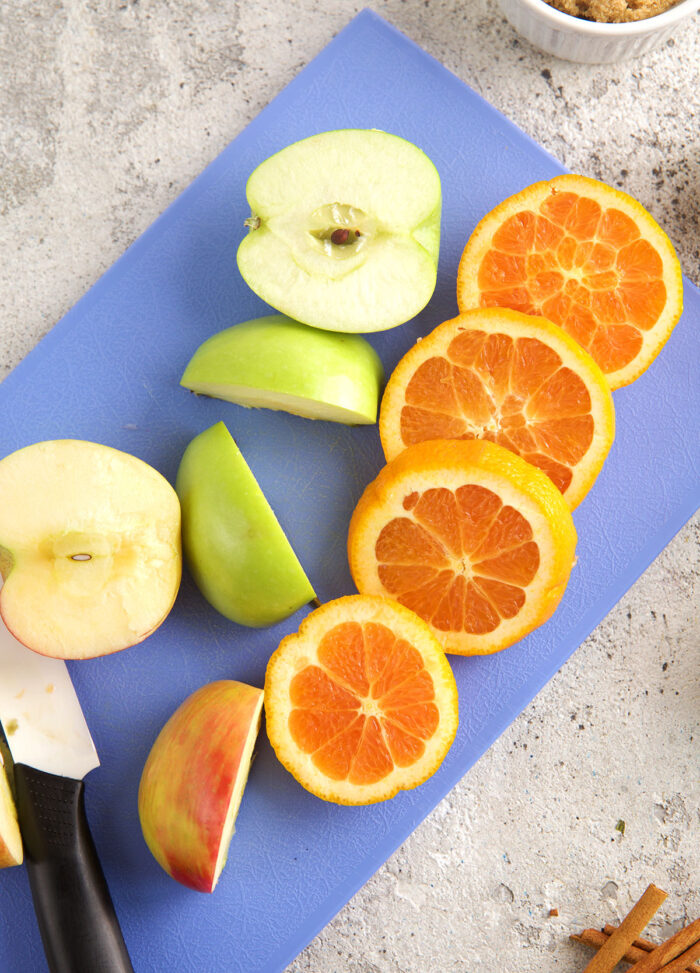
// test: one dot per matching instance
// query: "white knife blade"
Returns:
(40, 712)
(52, 752)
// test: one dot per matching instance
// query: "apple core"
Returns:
(340, 231)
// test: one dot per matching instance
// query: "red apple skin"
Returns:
(11, 852)
(21, 637)
(189, 778)
(7, 856)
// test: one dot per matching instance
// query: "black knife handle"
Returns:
(77, 921)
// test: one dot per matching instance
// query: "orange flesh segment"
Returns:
(515, 392)
(583, 266)
(367, 707)
(483, 559)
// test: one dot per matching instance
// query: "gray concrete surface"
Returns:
(108, 111)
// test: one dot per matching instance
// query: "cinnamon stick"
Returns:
(636, 952)
(685, 938)
(647, 945)
(686, 961)
(596, 939)
(615, 947)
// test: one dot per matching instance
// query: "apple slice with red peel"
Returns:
(193, 781)
(277, 363)
(89, 548)
(235, 548)
(11, 851)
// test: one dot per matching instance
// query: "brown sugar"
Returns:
(613, 11)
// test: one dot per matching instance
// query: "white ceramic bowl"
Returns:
(575, 39)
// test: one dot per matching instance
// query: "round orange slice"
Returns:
(360, 702)
(510, 378)
(474, 539)
(588, 257)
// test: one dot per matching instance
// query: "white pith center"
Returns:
(371, 707)
(462, 565)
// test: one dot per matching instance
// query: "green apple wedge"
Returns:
(234, 547)
(90, 548)
(277, 363)
(345, 230)
(193, 781)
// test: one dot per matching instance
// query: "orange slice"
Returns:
(512, 379)
(471, 537)
(586, 256)
(360, 702)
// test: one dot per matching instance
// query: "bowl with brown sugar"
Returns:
(597, 31)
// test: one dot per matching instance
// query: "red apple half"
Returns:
(11, 852)
(89, 548)
(193, 781)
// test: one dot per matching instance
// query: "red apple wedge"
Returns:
(11, 852)
(193, 781)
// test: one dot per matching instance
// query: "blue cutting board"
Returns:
(109, 372)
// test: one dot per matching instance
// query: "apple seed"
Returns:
(342, 236)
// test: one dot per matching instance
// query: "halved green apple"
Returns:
(277, 363)
(234, 546)
(345, 230)
(89, 548)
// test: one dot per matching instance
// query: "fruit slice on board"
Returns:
(471, 537)
(193, 781)
(345, 230)
(361, 702)
(89, 548)
(586, 256)
(277, 363)
(234, 546)
(509, 378)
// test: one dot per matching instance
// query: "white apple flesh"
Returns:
(235, 548)
(277, 363)
(11, 851)
(193, 781)
(345, 230)
(89, 548)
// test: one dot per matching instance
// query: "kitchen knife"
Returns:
(52, 751)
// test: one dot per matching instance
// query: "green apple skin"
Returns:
(193, 781)
(277, 363)
(381, 189)
(90, 548)
(11, 851)
(234, 547)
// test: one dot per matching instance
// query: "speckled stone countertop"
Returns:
(109, 111)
